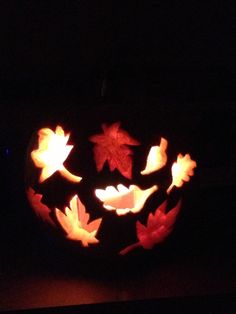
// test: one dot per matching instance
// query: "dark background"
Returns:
(62, 50)
(177, 59)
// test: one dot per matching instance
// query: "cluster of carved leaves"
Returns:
(111, 147)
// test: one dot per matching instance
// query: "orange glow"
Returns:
(52, 152)
(157, 158)
(124, 200)
(75, 223)
(159, 225)
(181, 170)
(39, 208)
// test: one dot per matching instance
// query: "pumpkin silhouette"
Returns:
(107, 181)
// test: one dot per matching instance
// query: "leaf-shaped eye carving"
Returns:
(51, 154)
(112, 146)
(157, 158)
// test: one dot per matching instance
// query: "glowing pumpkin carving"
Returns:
(103, 199)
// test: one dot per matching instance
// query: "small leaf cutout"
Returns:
(39, 208)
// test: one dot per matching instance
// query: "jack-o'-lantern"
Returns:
(109, 187)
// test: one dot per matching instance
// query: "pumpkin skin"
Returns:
(106, 232)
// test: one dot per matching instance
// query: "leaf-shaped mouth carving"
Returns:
(124, 200)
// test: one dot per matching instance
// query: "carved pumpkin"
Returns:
(109, 187)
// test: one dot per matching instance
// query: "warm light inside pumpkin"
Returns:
(124, 200)
(52, 152)
(112, 147)
(157, 158)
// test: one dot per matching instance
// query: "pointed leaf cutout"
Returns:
(159, 226)
(51, 153)
(124, 200)
(111, 146)
(181, 170)
(75, 223)
(39, 208)
(157, 158)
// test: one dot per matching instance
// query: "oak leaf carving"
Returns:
(181, 171)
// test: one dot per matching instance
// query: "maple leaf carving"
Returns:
(39, 208)
(51, 153)
(159, 226)
(181, 170)
(75, 223)
(112, 146)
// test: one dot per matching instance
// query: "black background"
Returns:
(176, 59)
